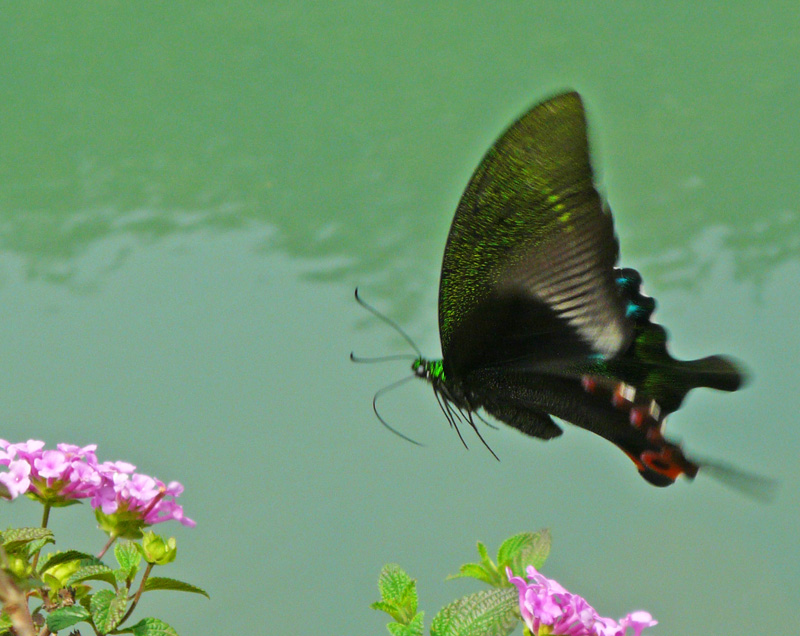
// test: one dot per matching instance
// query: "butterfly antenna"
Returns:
(380, 392)
(402, 356)
(480, 437)
(388, 321)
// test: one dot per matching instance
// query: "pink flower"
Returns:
(57, 477)
(17, 479)
(51, 464)
(131, 500)
(544, 602)
(638, 621)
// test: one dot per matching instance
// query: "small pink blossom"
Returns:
(72, 472)
(544, 602)
(51, 464)
(17, 479)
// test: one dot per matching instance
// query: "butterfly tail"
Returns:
(714, 372)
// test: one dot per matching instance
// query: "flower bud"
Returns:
(158, 551)
(63, 571)
(19, 567)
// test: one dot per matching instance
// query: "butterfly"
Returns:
(535, 317)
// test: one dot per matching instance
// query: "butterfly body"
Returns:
(535, 318)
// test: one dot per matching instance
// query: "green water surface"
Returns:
(189, 193)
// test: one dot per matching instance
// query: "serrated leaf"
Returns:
(15, 539)
(57, 558)
(386, 606)
(475, 571)
(395, 610)
(164, 583)
(36, 546)
(90, 559)
(399, 591)
(100, 602)
(151, 627)
(107, 609)
(94, 573)
(65, 617)
(408, 598)
(25, 534)
(486, 613)
(128, 557)
(397, 629)
(393, 582)
(416, 625)
(414, 628)
(483, 553)
(86, 600)
(512, 546)
(536, 554)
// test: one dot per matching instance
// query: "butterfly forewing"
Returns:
(528, 267)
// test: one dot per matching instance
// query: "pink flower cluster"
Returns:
(72, 472)
(544, 602)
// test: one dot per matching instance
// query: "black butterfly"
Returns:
(537, 321)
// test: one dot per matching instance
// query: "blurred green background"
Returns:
(189, 193)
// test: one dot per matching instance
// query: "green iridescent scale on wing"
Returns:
(528, 265)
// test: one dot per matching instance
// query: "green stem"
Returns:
(46, 515)
(138, 593)
(45, 519)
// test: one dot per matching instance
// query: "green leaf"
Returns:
(98, 572)
(57, 558)
(512, 546)
(398, 592)
(35, 546)
(25, 534)
(522, 550)
(128, 557)
(384, 606)
(475, 571)
(16, 538)
(107, 609)
(414, 628)
(151, 627)
(395, 610)
(541, 550)
(485, 613)
(484, 553)
(52, 582)
(163, 583)
(67, 617)
(100, 605)
(396, 585)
